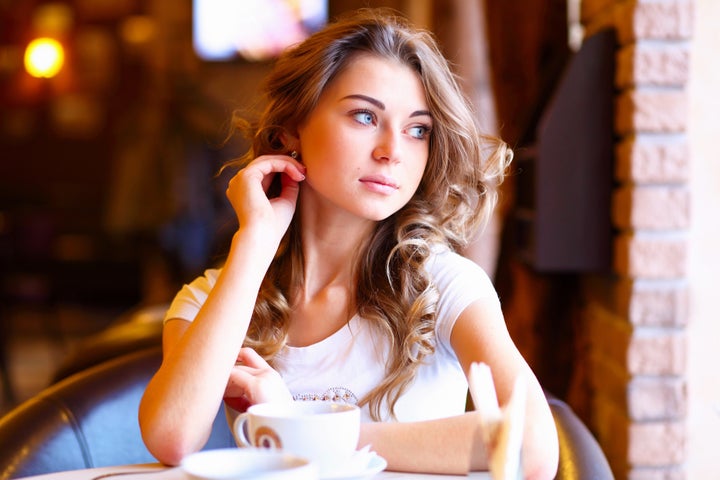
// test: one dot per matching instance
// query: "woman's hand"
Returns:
(247, 192)
(253, 381)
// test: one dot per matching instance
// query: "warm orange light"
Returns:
(44, 57)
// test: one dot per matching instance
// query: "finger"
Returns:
(241, 382)
(267, 165)
(285, 199)
(289, 189)
(248, 357)
(236, 385)
(239, 404)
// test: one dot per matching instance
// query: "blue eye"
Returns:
(365, 117)
(419, 131)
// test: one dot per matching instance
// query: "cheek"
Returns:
(417, 173)
(328, 163)
(320, 177)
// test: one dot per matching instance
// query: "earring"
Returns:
(294, 154)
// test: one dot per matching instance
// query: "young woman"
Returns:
(366, 173)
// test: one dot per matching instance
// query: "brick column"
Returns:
(635, 319)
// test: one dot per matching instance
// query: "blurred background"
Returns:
(113, 125)
(109, 161)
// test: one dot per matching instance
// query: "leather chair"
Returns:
(90, 420)
(581, 457)
(136, 330)
(87, 420)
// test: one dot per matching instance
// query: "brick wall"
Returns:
(636, 319)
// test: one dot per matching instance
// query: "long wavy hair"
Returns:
(455, 197)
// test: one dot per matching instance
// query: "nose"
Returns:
(387, 148)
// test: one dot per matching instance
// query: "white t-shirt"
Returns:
(349, 363)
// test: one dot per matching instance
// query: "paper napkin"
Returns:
(502, 427)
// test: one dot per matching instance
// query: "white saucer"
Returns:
(246, 463)
(376, 465)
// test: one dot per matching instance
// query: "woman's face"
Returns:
(366, 143)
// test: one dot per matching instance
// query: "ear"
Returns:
(291, 142)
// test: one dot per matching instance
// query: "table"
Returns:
(155, 471)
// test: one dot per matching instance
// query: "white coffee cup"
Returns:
(325, 433)
(247, 463)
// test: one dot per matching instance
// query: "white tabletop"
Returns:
(160, 472)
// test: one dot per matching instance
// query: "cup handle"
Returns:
(238, 431)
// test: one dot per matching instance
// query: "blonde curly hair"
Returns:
(455, 198)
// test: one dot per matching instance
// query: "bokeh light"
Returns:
(44, 57)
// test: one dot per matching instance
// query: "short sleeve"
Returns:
(192, 296)
(460, 282)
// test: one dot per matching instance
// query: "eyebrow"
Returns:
(381, 105)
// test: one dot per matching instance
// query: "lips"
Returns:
(380, 184)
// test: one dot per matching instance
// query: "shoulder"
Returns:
(201, 286)
(207, 279)
(192, 296)
(460, 282)
(449, 270)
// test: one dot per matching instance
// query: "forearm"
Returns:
(480, 335)
(454, 445)
(182, 399)
(450, 445)
(540, 450)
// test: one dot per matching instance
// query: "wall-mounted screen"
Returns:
(225, 30)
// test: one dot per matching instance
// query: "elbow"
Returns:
(541, 470)
(542, 464)
(541, 452)
(168, 455)
(164, 440)
(168, 449)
